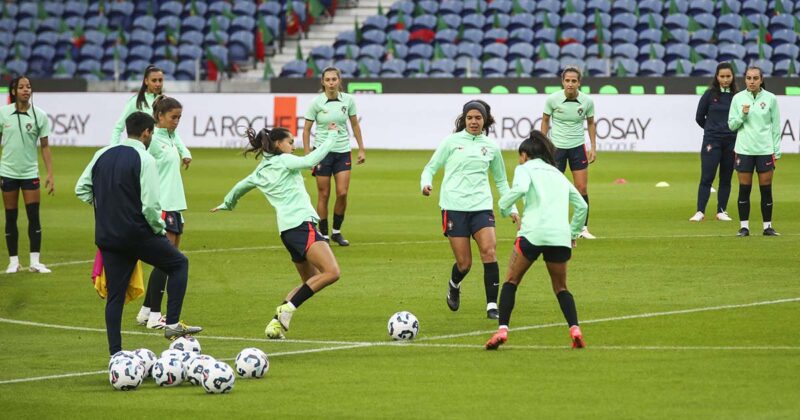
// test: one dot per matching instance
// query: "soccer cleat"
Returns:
(13, 268)
(39, 268)
(743, 232)
(181, 330)
(585, 234)
(698, 217)
(577, 337)
(771, 232)
(723, 216)
(283, 314)
(499, 338)
(493, 314)
(142, 319)
(274, 331)
(339, 239)
(453, 297)
(157, 324)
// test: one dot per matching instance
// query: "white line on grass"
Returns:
(562, 347)
(44, 378)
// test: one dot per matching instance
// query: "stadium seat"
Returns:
(449, 50)
(474, 21)
(322, 51)
(753, 51)
(200, 8)
(25, 38)
(521, 20)
(346, 66)
(395, 65)
(598, 50)
(729, 21)
(623, 21)
(373, 37)
(119, 13)
(728, 51)
(134, 69)
(494, 35)
(783, 67)
(17, 67)
(680, 67)
(472, 35)
(549, 6)
(706, 20)
(168, 21)
(574, 35)
(523, 66)
(193, 23)
(244, 8)
(417, 66)
(547, 50)
(520, 35)
(697, 7)
(444, 36)
(678, 36)
(140, 52)
(765, 65)
(546, 20)
(120, 51)
(601, 5)
(652, 67)
(215, 38)
(269, 8)
(429, 7)
(573, 20)
(167, 66)
(369, 67)
(709, 51)
(573, 50)
(418, 51)
(499, 6)
(623, 6)
(75, 8)
(466, 67)
(6, 39)
(423, 22)
(628, 66)
(169, 8)
(623, 36)
(147, 23)
(705, 68)
(374, 51)
(675, 51)
(785, 51)
(65, 68)
(547, 67)
(789, 6)
(89, 66)
(592, 36)
(378, 22)
(444, 65)
(240, 46)
(597, 66)
(345, 38)
(221, 22)
(784, 36)
(47, 25)
(733, 36)
(189, 52)
(452, 21)
(521, 50)
(500, 21)
(451, 7)
(469, 49)
(651, 6)
(92, 51)
(243, 23)
(625, 51)
(343, 51)
(496, 50)
(703, 36)
(676, 22)
(754, 6)
(779, 22)
(495, 66)
(192, 37)
(406, 6)
(682, 6)
(565, 62)
(294, 68)
(186, 70)
(27, 9)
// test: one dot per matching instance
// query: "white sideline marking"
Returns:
(344, 345)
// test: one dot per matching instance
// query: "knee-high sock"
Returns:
(766, 202)
(491, 281)
(456, 276)
(34, 226)
(586, 198)
(323, 226)
(338, 219)
(155, 289)
(507, 298)
(567, 303)
(744, 201)
(12, 235)
(303, 294)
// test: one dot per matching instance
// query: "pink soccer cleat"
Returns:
(577, 337)
(499, 338)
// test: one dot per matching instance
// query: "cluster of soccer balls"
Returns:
(183, 362)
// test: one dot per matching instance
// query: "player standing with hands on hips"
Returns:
(755, 118)
(564, 113)
(333, 106)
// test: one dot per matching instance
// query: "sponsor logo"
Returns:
(708, 148)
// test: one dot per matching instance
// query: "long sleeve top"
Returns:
(168, 150)
(712, 115)
(130, 108)
(759, 131)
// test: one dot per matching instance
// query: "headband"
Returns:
(476, 106)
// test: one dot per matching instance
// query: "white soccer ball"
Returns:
(124, 354)
(148, 358)
(252, 363)
(169, 372)
(218, 378)
(125, 374)
(196, 367)
(189, 344)
(403, 325)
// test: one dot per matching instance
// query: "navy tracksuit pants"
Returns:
(715, 153)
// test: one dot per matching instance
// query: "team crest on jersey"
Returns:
(170, 219)
(580, 111)
(762, 105)
(484, 150)
(708, 148)
(29, 126)
(344, 110)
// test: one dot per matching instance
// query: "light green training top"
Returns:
(567, 117)
(547, 194)
(169, 151)
(467, 159)
(21, 132)
(324, 111)
(279, 178)
(759, 132)
(148, 182)
(130, 108)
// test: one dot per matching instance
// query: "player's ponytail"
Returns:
(141, 101)
(538, 146)
(12, 96)
(265, 141)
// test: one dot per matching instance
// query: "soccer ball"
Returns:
(403, 325)
(252, 363)
(218, 378)
(189, 344)
(196, 368)
(148, 358)
(184, 356)
(169, 372)
(125, 374)
(124, 354)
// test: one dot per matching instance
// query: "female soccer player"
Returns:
(333, 105)
(755, 118)
(565, 111)
(278, 177)
(21, 125)
(545, 230)
(152, 86)
(169, 152)
(466, 198)
(718, 141)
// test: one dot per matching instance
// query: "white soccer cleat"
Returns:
(13, 268)
(142, 319)
(586, 235)
(39, 268)
(698, 217)
(723, 216)
(157, 324)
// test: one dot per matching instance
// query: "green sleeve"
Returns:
(498, 169)
(589, 111)
(130, 106)
(239, 190)
(352, 108)
(437, 160)
(151, 208)
(580, 210)
(518, 190)
(311, 112)
(182, 149)
(548, 106)
(735, 115)
(44, 124)
(83, 189)
(775, 116)
(308, 161)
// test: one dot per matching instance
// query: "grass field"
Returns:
(682, 320)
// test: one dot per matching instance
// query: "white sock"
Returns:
(745, 224)
(491, 305)
(154, 317)
(144, 311)
(336, 231)
(457, 286)
(34, 258)
(291, 305)
(504, 327)
(173, 326)
(13, 260)
(767, 225)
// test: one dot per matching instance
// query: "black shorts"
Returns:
(554, 254)
(760, 163)
(463, 224)
(174, 221)
(333, 164)
(576, 156)
(297, 240)
(11, 184)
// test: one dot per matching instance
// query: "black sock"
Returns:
(567, 303)
(12, 235)
(34, 226)
(302, 295)
(586, 198)
(338, 219)
(456, 276)
(323, 226)
(155, 289)
(766, 202)
(744, 201)
(491, 281)
(507, 297)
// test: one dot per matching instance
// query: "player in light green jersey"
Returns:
(152, 86)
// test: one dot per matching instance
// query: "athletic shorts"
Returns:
(760, 163)
(297, 240)
(576, 156)
(333, 164)
(553, 254)
(463, 224)
(174, 221)
(11, 184)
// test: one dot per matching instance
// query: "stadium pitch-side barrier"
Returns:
(647, 123)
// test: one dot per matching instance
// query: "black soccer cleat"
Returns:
(744, 232)
(493, 314)
(339, 239)
(771, 232)
(453, 297)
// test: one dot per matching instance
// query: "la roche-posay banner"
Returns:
(624, 122)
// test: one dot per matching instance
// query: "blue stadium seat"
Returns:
(624, 36)
(322, 51)
(520, 35)
(753, 51)
(547, 67)
(449, 50)
(189, 52)
(269, 8)
(673, 70)
(565, 62)
(594, 50)
(789, 6)
(445, 65)
(375, 51)
(466, 67)
(697, 7)
(623, 6)
(549, 49)
(395, 65)
(119, 13)
(346, 66)
(406, 6)
(215, 38)
(369, 67)
(167, 66)
(521, 50)
(678, 36)
(294, 68)
(757, 20)
(423, 22)
(446, 36)
(707, 51)
(494, 35)
(186, 70)
(597, 67)
(89, 66)
(623, 20)
(201, 8)
(573, 50)
(546, 20)
(452, 21)
(521, 20)
(192, 37)
(751, 36)
(373, 37)
(193, 23)
(729, 22)
(782, 68)
(219, 8)
(244, 8)
(135, 68)
(729, 51)
(147, 23)
(417, 66)
(779, 22)
(345, 38)
(168, 21)
(469, 49)
(573, 20)
(630, 66)
(92, 51)
(785, 51)
(650, 68)
(120, 50)
(27, 9)
(472, 35)
(240, 46)
(419, 51)
(75, 8)
(651, 6)
(682, 6)
(592, 36)
(601, 5)
(41, 57)
(703, 36)
(576, 34)
(6, 39)
(475, 21)
(784, 36)
(499, 6)
(47, 38)
(222, 22)
(706, 20)
(545, 35)
(46, 25)
(734, 7)
(17, 67)
(378, 22)
(428, 6)
(525, 67)
(494, 67)
(497, 21)
(754, 6)
(140, 52)
(25, 38)
(496, 50)
(341, 52)
(765, 65)
(400, 51)
(66, 68)
(451, 7)
(677, 51)
(243, 23)
(676, 22)
(625, 51)
(9, 25)
(705, 68)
